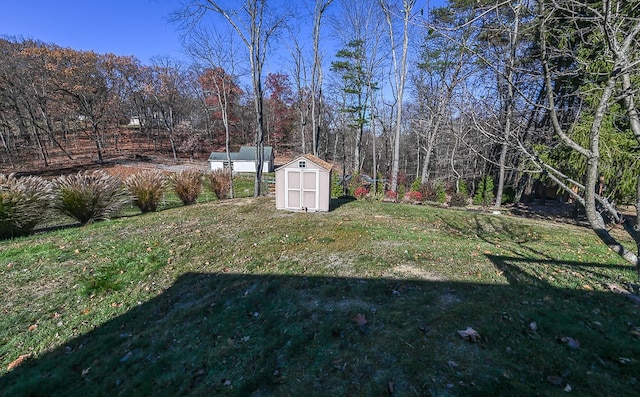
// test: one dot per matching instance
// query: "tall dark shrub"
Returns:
(484, 193)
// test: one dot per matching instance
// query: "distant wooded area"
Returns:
(484, 95)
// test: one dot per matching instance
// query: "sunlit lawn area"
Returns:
(233, 297)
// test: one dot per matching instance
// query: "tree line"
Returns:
(53, 100)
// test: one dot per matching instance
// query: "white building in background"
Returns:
(243, 160)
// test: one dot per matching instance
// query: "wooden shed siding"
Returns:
(303, 188)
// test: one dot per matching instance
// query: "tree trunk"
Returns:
(509, 105)
(400, 73)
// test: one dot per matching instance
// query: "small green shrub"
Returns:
(463, 187)
(441, 194)
(89, 196)
(147, 189)
(338, 189)
(484, 193)
(220, 183)
(416, 185)
(401, 190)
(188, 185)
(23, 204)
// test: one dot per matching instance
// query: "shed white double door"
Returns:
(301, 188)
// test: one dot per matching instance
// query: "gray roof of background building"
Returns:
(246, 153)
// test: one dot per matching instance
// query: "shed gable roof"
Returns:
(314, 159)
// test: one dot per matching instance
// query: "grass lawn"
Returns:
(235, 298)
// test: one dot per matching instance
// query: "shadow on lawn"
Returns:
(335, 203)
(251, 335)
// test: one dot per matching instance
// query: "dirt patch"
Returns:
(409, 271)
(121, 166)
(338, 265)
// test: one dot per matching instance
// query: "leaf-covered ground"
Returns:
(236, 298)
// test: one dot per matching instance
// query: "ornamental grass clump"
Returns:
(89, 196)
(23, 204)
(220, 183)
(188, 185)
(147, 189)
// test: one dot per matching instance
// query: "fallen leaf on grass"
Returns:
(32, 327)
(556, 380)
(360, 319)
(470, 334)
(622, 360)
(616, 289)
(18, 361)
(572, 343)
(126, 357)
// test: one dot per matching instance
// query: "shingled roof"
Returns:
(317, 160)
(246, 153)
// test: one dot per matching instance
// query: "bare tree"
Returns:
(316, 73)
(399, 74)
(167, 90)
(613, 27)
(255, 27)
(220, 74)
(443, 67)
(509, 100)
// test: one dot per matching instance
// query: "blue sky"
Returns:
(122, 27)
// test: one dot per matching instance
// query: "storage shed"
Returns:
(304, 184)
(243, 160)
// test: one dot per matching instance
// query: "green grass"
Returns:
(235, 298)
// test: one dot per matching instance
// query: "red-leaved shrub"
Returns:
(413, 196)
(361, 192)
(390, 195)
